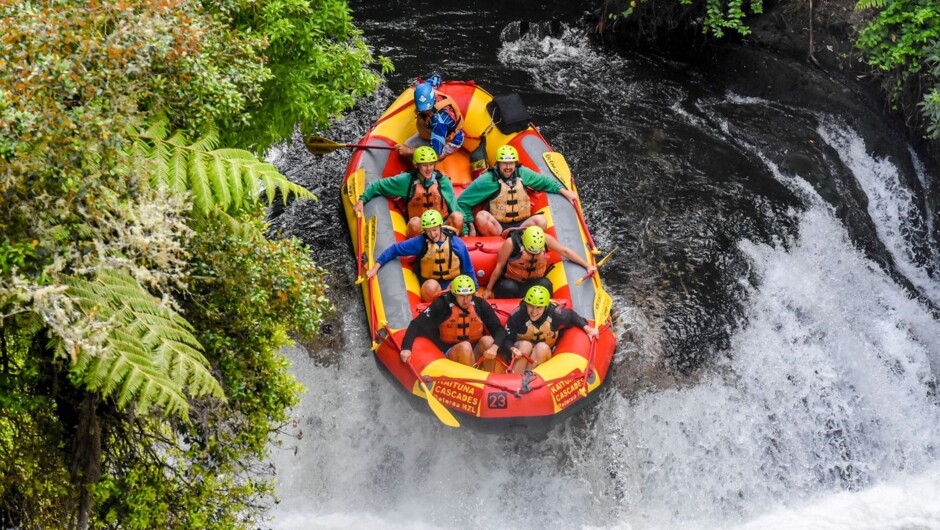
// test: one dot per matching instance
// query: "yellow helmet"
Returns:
(463, 284)
(537, 296)
(424, 155)
(533, 239)
(507, 153)
(430, 219)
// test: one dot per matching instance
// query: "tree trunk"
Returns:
(86, 459)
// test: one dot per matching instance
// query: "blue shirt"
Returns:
(442, 124)
(413, 246)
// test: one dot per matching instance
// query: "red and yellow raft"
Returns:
(578, 368)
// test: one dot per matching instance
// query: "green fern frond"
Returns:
(871, 4)
(199, 183)
(219, 179)
(149, 356)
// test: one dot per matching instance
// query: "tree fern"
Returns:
(869, 4)
(226, 180)
(148, 355)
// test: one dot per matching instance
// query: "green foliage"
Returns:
(930, 104)
(901, 42)
(148, 354)
(226, 179)
(719, 15)
(870, 4)
(317, 58)
(244, 297)
(141, 312)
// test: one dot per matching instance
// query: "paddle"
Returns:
(602, 304)
(596, 266)
(368, 245)
(353, 191)
(319, 145)
(439, 410)
(590, 365)
(559, 167)
(437, 407)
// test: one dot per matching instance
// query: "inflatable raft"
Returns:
(458, 393)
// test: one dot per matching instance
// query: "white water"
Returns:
(820, 416)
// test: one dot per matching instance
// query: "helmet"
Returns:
(424, 97)
(507, 153)
(430, 219)
(533, 239)
(463, 284)
(424, 155)
(537, 296)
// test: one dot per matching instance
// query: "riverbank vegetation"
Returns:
(895, 43)
(142, 309)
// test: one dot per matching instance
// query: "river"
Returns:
(777, 293)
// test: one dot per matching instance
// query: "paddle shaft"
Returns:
(597, 266)
(444, 415)
(577, 209)
(366, 146)
(318, 145)
(359, 239)
(590, 365)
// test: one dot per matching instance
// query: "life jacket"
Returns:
(439, 262)
(522, 265)
(511, 203)
(544, 332)
(446, 104)
(461, 325)
(421, 199)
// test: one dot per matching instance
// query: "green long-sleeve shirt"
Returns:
(487, 184)
(400, 185)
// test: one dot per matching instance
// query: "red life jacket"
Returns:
(523, 265)
(421, 199)
(461, 326)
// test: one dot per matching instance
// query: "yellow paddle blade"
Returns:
(559, 167)
(370, 241)
(319, 145)
(439, 409)
(355, 185)
(602, 305)
(607, 257)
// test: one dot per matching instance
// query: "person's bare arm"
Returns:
(567, 253)
(501, 258)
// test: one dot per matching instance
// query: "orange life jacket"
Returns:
(446, 104)
(542, 333)
(462, 325)
(511, 203)
(525, 265)
(439, 262)
(422, 199)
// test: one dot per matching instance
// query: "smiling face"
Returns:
(534, 312)
(506, 168)
(426, 170)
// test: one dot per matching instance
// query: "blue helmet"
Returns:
(424, 97)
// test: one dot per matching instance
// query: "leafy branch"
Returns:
(148, 354)
(226, 180)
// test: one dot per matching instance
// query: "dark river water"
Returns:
(776, 287)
